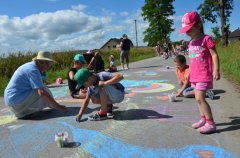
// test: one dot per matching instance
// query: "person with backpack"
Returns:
(96, 63)
(125, 46)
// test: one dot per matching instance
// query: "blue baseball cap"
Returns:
(80, 58)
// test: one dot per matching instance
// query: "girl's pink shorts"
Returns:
(202, 86)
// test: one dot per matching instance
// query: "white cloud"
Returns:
(108, 12)
(38, 31)
(79, 7)
(67, 30)
(124, 13)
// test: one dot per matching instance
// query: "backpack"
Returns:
(98, 64)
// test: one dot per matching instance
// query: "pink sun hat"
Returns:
(189, 20)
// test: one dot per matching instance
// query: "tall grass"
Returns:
(64, 61)
(230, 61)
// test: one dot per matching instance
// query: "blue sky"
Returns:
(33, 25)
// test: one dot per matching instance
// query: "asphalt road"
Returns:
(145, 123)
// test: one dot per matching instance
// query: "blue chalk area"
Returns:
(32, 139)
(151, 73)
(140, 83)
(29, 140)
(103, 146)
(60, 92)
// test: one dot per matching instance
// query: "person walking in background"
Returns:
(26, 93)
(112, 64)
(75, 91)
(157, 49)
(125, 46)
(203, 66)
(165, 49)
(102, 88)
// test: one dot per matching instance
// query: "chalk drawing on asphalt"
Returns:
(89, 140)
(5, 119)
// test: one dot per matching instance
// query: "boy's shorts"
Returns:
(114, 95)
(202, 86)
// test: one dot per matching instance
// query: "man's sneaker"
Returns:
(199, 124)
(210, 94)
(207, 128)
(97, 117)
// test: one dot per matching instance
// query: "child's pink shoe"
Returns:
(207, 128)
(199, 124)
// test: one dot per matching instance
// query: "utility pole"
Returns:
(136, 32)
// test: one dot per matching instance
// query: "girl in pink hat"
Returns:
(203, 66)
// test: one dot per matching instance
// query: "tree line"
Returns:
(159, 12)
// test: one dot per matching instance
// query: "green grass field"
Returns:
(230, 62)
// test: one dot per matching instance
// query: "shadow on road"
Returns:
(72, 145)
(52, 113)
(137, 114)
(232, 126)
(218, 91)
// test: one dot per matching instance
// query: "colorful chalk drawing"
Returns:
(95, 143)
(91, 144)
(6, 119)
(147, 86)
(154, 87)
(163, 97)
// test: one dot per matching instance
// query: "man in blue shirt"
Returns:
(26, 93)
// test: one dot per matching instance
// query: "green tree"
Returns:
(158, 13)
(211, 9)
(217, 35)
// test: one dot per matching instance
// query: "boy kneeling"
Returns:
(102, 88)
(182, 73)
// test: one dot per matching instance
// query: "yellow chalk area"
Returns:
(6, 119)
(70, 100)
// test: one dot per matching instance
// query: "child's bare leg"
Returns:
(82, 95)
(203, 105)
(202, 121)
(95, 100)
(209, 126)
(103, 98)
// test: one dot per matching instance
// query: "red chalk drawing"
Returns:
(130, 94)
(204, 153)
(162, 97)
